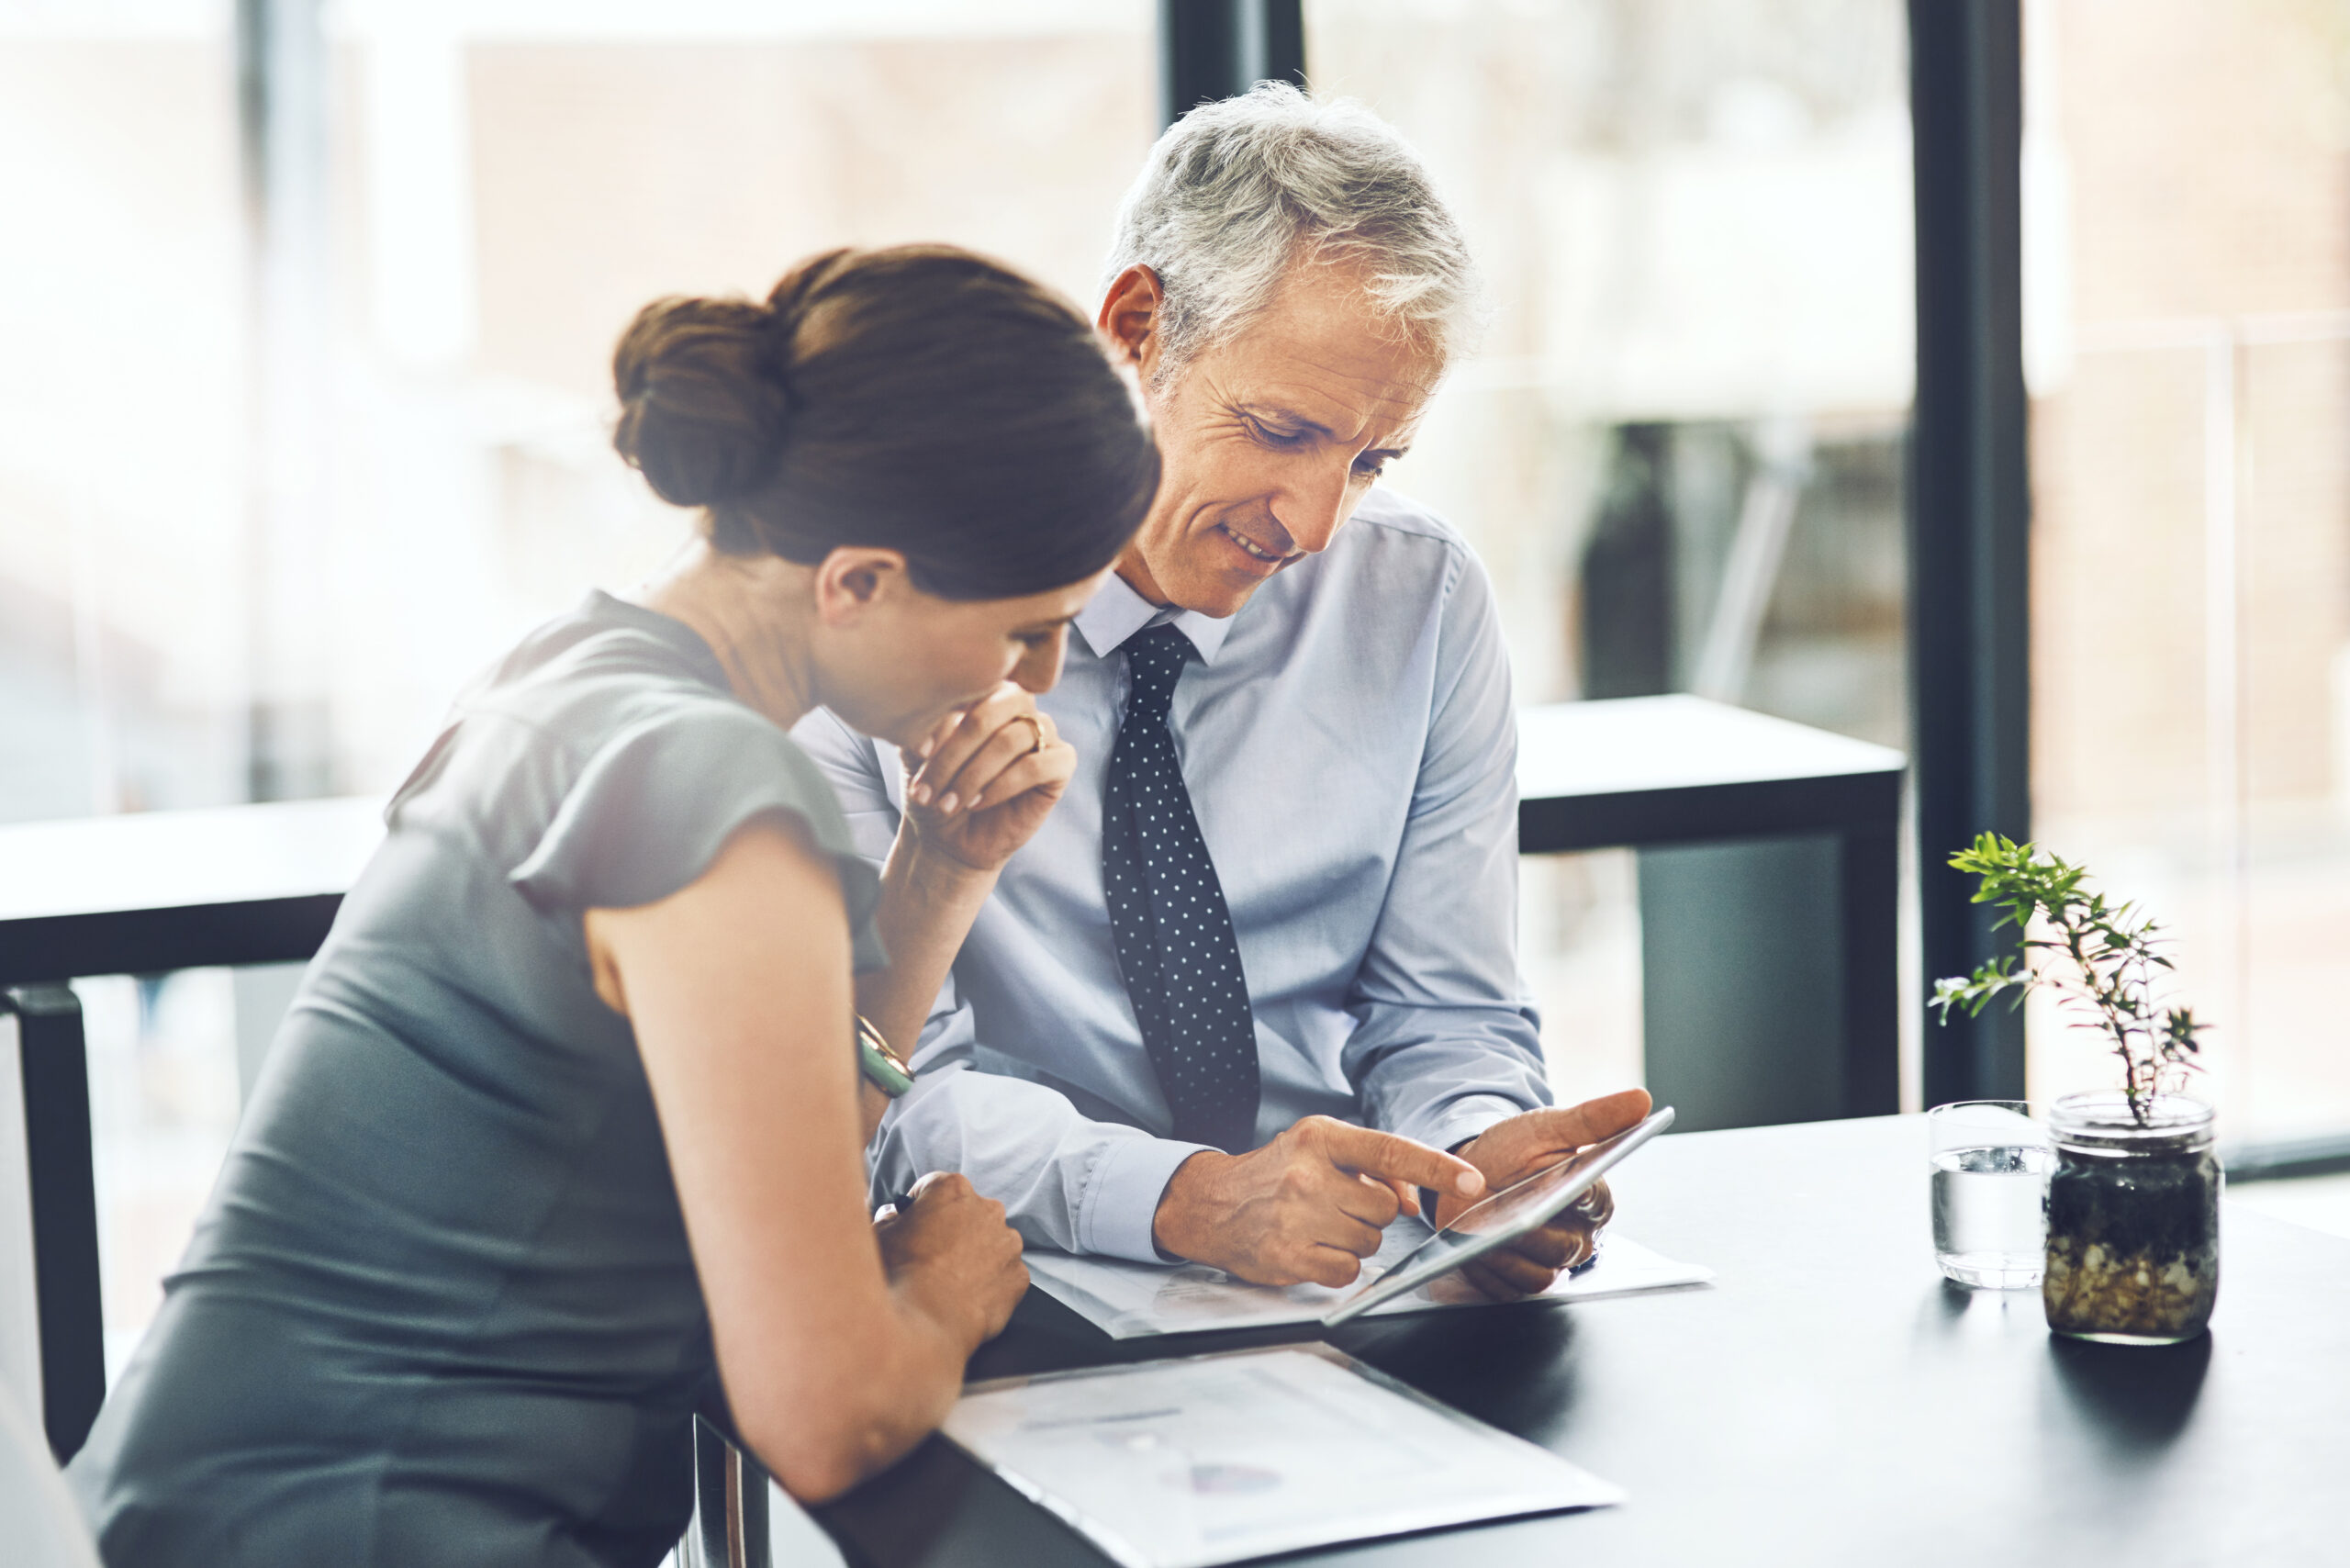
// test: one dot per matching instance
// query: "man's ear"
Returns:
(853, 578)
(1129, 316)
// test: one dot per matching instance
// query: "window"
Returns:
(2187, 308)
(292, 443)
(1680, 451)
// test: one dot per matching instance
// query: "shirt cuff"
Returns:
(1123, 1199)
(1468, 1118)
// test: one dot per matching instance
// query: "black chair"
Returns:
(730, 1526)
(54, 1068)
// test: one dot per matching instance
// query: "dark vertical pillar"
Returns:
(56, 1073)
(1219, 48)
(1969, 505)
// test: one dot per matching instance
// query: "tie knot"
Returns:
(1155, 662)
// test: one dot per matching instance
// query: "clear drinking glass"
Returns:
(1991, 1162)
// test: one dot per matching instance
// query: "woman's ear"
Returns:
(1130, 315)
(853, 578)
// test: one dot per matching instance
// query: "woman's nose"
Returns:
(1040, 666)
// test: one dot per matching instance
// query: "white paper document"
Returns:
(1126, 1300)
(1216, 1459)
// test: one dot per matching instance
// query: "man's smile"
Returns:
(1255, 550)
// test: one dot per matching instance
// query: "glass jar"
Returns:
(2133, 1220)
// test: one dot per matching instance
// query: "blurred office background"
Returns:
(304, 408)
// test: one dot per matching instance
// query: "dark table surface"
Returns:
(1829, 1400)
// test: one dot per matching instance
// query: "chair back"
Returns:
(52, 1328)
(741, 1519)
(19, 1301)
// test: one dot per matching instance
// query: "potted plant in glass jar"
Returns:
(2133, 1204)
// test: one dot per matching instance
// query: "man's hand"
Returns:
(986, 779)
(1508, 1152)
(1309, 1206)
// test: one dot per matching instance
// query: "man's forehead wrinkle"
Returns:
(1316, 306)
(1375, 374)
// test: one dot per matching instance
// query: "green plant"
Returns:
(2098, 958)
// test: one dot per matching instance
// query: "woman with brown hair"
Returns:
(562, 1140)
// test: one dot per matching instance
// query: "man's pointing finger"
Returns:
(1386, 1155)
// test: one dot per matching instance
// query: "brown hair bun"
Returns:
(702, 410)
(920, 398)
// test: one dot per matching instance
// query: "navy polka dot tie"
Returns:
(1176, 948)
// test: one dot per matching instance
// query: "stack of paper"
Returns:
(1126, 1300)
(1217, 1458)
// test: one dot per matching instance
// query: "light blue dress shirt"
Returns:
(1350, 747)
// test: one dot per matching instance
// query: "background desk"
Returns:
(163, 891)
(140, 894)
(1768, 877)
(1769, 870)
(1828, 1401)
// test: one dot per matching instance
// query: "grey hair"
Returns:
(1238, 192)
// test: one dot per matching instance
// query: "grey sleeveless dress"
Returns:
(440, 1308)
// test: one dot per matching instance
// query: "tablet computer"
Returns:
(1502, 1217)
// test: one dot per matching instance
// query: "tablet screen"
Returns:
(1512, 1212)
(1535, 1200)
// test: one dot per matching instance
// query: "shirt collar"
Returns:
(1117, 612)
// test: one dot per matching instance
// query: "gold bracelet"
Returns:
(883, 1068)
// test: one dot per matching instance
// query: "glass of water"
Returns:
(1991, 1162)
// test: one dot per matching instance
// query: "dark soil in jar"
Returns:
(2134, 1244)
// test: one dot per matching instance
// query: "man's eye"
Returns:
(1370, 467)
(1272, 437)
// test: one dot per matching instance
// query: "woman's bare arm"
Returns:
(990, 779)
(739, 989)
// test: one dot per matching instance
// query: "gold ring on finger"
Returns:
(1035, 724)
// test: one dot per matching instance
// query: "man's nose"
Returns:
(1312, 505)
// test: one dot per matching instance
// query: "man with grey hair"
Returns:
(1252, 990)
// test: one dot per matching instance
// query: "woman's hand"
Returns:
(986, 780)
(949, 1250)
(833, 1367)
(978, 790)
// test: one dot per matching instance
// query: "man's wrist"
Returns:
(1171, 1226)
(1123, 1187)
